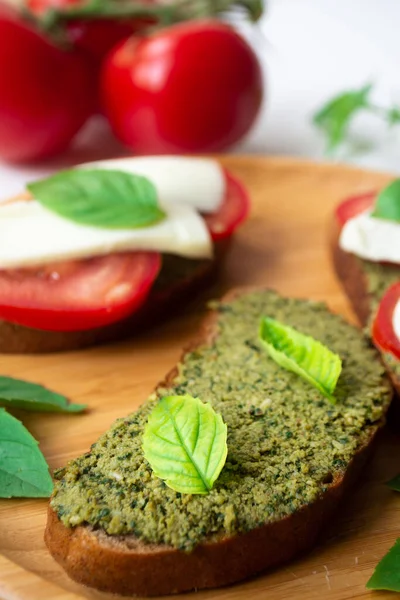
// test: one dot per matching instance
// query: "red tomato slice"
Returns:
(233, 211)
(383, 332)
(78, 295)
(354, 206)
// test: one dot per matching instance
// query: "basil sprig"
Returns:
(336, 116)
(23, 469)
(185, 443)
(100, 198)
(387, 205)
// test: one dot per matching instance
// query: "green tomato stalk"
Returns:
(163, 13)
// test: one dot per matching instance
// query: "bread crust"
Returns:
(351, 276)
(128, 566)
(160, 303)
(354, 283)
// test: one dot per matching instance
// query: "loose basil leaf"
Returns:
(393, 116)
(185, 443)
(23, 469)
(394, 483)
(387, 572)
(100, 198)
(387, 205)
(334, 118)
(16, 393)
(301, 354)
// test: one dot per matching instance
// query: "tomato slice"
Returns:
(354, 206)
(233, 210)
(383, 332)
(78, 295)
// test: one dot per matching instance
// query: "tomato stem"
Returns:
(165, 14)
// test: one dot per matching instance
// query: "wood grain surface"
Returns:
(283, 245)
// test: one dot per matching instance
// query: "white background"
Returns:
(310, 49)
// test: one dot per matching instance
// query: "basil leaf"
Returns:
(301, 354)
(335, 117)
(393, 116)
(387, 205)
(394, 483)
(23, 469)
(16, 393)
(387, 572)
(185, 443)
(100, 198)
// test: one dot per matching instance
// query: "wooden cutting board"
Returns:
(284, 246)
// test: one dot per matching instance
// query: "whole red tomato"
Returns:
(193, 87)
(46, 94)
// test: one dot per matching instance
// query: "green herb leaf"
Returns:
(394, 483)
(387, 205)
(100, 198)
(334, 118)
(301, 354)
(23, 469)
(185, 444)
(387, 572)
(16, 393)
(393, 116)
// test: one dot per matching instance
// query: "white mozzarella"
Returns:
(371, 238)
(32, 235)
(198, 182)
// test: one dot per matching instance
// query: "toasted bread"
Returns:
(353, 277)
(294, 444)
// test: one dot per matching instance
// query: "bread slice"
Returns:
(364, 295)
(178, 280)
(292, 456)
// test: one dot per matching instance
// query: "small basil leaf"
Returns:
(100, 198)
(302, 355)
(16, 393)
(23, 469)
(334, 118)
(394, 483)
(185, 443)
(387, 204)
(393, 116)
(387, 572)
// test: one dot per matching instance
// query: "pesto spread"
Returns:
(393, 363)
(286, 443)
(379, 278)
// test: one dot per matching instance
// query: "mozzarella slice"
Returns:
(32, 235)
(198, 182)
(371, 238)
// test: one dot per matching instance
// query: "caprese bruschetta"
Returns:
(96, 252)
(366, 255)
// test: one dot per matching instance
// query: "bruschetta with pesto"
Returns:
(235, 463)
